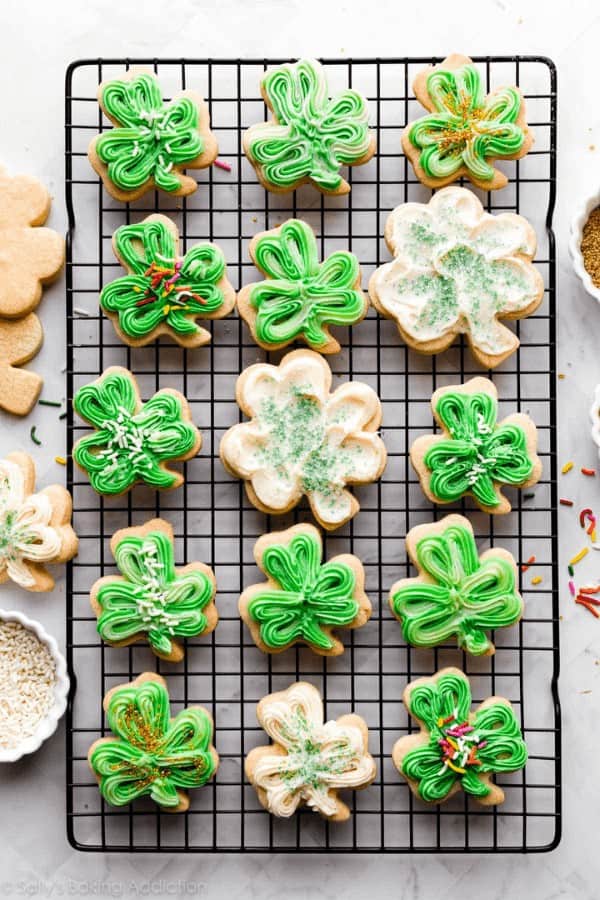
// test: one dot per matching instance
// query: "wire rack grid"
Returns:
(214, 521)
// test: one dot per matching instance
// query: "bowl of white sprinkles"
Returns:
(33, 685)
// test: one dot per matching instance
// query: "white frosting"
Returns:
(302, 439)
(455, 269)
(320, 757)
(25, 531)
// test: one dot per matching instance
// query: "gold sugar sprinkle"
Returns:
(590, 246)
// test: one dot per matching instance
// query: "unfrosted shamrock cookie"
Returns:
(304, 598)
(151, 754)
(457, 270)
(132, 442)
(457, 593)
(35, 526)
(300, 297)
(309, 760)
(20, 341)
(457, 748)
(302, 439)
(152, 141)
(310, 135)
(152, 599)
(31, 257)
(475, 455)
(163, 292)
(465, 131)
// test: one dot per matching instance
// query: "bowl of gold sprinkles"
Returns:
(584, 245)
(33, 685)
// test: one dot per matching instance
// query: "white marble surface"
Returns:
(38, 40)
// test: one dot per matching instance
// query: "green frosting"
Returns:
(466, 128)
(151, 137)
(300, 295)
(312, 135)
(462, 746)
(152, 598)
(308, 595)
(131, 440)
(162, 287)
(479, 453)
(151, 754)
(463, 597)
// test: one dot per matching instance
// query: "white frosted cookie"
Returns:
(309, 760)
(302, 439)
(457, 270)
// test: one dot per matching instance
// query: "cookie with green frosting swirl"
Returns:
(455, 748)
(304, 598)
(465, 130)
(458, 594)
(132, 442)
(164, 292)
(300, 296)
(475, 455)
(152, 599)
(152, 754)
(310, 135)
(152, 141)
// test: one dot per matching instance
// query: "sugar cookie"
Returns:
(20, 341)
(457, 594)
(309, 760)
(457, 270)
(304, 598)
(300, 297)
(457, 748)
(304, 440)
(152, 599)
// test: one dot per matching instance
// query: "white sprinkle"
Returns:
(81, 311)
(27, 679)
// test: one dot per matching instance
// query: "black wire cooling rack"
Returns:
(215, 523)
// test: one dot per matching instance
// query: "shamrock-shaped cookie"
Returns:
(20, 341)
(302, 439)
(152, 141)
(300, 297)
(465, 130)
(457, 748)
(151, 754)
(132, 441)
(163, 292)
(457, 270)
(31, 256)
(304, 599)
(152, 599)
(457, 594)
(475, 455)
(310, 136)
(35, 527)
(309, 760)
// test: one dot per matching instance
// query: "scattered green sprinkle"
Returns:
(49, 403)
(34, 436)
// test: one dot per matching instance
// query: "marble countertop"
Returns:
(36, 857)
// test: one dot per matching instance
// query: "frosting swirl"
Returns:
(310, 135)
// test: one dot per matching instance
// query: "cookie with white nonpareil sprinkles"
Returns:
(132, 441)
(310, 760)
(152, 141)
(455, 748)
(152, 599)
(304, 440)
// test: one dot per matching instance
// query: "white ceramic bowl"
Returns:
(577, 224)
(48, 724)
